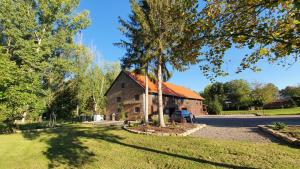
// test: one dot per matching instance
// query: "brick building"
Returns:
(127, 94)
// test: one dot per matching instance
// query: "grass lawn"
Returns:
(268, 112)
(81, 146)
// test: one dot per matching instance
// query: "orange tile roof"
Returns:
(168, 88)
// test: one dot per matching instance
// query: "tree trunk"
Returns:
(24, 117)
(96, 108)
(77, 110)
(146, 96)
(160, 98)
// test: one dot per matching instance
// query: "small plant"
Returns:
(279, 125)
(155, 119)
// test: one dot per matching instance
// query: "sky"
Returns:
(103, 32)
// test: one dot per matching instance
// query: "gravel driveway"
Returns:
(241, 127)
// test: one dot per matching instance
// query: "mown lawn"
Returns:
(81, 146)
(268, 112)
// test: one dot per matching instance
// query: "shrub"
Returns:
(123, 115)
(32, 126)
(155, 119)
(279, 125)
(6, 129)
(214, 107)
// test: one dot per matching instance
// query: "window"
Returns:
(137, 97)
(123, 85)
(118, 99)
(137, 109)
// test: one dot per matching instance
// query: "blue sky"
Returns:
(103, 32)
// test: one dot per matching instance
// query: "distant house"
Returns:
(127, 95)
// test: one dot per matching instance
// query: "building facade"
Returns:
(127, 95)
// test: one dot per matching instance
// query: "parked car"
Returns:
(182, 116)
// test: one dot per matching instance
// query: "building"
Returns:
(127, 95)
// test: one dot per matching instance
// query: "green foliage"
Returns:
(32, 126)
(238, 92)
(215, 107)
(264, 93)
(270, 29)
(155, 120)
(5, 128)
(279, 125)
(161, 33)
(292, 93)
(36, 54)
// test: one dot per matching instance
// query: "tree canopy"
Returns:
(269, 28)
(36, 52)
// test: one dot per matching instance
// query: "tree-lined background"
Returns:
(46, 70)
(43, 68)
(242, 95)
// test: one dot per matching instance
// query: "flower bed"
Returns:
(170, 130)
(290, 134)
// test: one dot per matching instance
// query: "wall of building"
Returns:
(128, 104)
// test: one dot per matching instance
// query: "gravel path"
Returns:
(252, 134)
(240, 127)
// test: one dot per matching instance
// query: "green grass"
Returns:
(267, 112)
(111, 147)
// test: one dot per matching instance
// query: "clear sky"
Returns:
(103, 32)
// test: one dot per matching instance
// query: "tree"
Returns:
(270, 29)
(168, 31)
(290, 91)
(36, 42)
(238, 92)
(264, 93)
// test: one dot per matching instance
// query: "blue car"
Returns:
(182, 116)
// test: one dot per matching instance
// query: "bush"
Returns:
(155, 119)
(214, 107)
(6, 129)
(279, 125)
(32, 126)
(123, 115)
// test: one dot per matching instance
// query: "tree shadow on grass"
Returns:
(66, 148)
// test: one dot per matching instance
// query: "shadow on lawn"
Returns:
(65, 148)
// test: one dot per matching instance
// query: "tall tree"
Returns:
(269, 28)
(168, 31)
(264, 93)
(238, 92)
(290, 91)
(36, 41)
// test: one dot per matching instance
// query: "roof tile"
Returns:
(168, 88)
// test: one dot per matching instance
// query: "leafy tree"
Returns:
(168, 31)
(269, 28)
(264, 93)
(36, 44)
(291, 91)
(238, 92)
(214, 107)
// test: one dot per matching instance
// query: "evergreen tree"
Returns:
(168, 33)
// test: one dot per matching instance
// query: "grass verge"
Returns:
(267, 112)
(82, 146)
